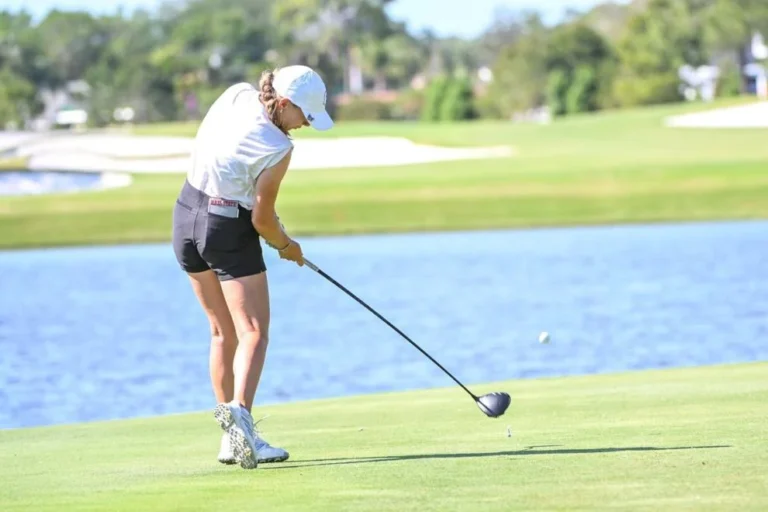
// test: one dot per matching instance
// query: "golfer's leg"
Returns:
(223, 335)
(248, 301)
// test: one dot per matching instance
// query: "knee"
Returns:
(222, 338)
(253, 333)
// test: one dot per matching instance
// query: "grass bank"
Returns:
(13, 163)
(594, 169)
(682, 439)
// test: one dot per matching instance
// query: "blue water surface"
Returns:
(18, 183)
(114, 332)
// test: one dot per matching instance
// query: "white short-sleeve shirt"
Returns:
(235, 142)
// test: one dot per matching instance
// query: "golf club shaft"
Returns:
(398, 331)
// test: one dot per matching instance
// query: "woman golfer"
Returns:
(240, 155)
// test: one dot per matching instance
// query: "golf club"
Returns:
(492, 404)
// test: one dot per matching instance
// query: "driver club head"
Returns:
(494, 404)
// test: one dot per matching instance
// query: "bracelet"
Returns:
(276, 248)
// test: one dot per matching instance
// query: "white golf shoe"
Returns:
(237, 422)
(265, 452)
(269, 453)
(226, 455)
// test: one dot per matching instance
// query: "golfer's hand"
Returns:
(293, 253)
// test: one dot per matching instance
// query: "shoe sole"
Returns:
(241, 449)
(230, 461)
(273, 459)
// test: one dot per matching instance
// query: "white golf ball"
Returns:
(544, 337)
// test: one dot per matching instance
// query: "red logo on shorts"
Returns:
(222, 202)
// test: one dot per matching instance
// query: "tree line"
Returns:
(626, 55)
(172, 62)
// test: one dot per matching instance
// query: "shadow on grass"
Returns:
(298, 464)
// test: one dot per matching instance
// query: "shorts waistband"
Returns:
(198, 199)
(191, 196)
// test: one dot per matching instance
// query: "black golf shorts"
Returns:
(215, 234)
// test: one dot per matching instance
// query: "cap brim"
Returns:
(320, 120)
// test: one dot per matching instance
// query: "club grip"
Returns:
(311, 265)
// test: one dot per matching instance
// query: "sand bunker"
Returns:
(122, 153)
(754, 115)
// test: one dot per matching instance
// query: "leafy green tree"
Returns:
(659, 40)
(520, 73)
(433, 100)
(17, 98)
(71, 42)
(581, 55)
(558, 84)
(581, 96)
(457, 102)
(391, 61)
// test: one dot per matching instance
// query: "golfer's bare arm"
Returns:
(264, 216)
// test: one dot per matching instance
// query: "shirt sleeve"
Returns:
(267, 161)
(274, 158)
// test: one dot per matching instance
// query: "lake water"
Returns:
(100, 333)
(13, 183)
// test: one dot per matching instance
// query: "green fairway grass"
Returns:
(682, 440)
(594, 169)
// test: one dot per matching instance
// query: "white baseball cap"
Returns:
(304, 87)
